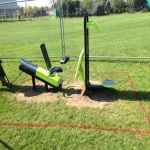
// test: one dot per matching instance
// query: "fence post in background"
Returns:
(16, 15)
(9, 15)
(5, 14)
(41, 13)
(26, 6)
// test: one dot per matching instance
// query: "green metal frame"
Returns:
(44, 74)
(79, 67)
(85, 74)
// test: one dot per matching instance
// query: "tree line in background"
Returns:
(30, 8)
(122, 6)
(99, 8)
(76, 8)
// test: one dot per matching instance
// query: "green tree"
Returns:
(28, 8)
(140, 4)
(120, 4)
(71, 7)
(65, 7)
(46, 8)
(100, 10)
(130, 3)
(77, 4)
(87, 4)
(107, 6)
(35, 8)
(42, 8)
(54, 4)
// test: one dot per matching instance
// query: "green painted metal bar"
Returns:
(37, 72)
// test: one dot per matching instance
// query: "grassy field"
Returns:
(122, 124)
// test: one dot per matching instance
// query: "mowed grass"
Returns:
(121, 120)
(121, 35)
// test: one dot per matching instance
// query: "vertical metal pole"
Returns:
(33, 83)
(26, 8)
(61, 27)
(5, 14)
(86, 50)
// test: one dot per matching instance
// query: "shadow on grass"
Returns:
(130, 95)
(5, 145)
(69, 91)
(105, 95)
(28, 90)
(109, 95)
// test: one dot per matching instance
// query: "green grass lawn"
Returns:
(122, 124)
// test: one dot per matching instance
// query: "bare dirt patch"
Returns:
(39, 95)
(75, 96)
(72, 92)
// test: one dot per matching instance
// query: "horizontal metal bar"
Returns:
(19, 57)
(122, 57)
(117, 57)
(106, 57)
